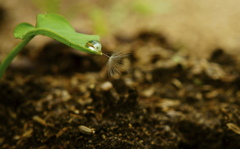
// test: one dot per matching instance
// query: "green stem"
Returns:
(12, 54)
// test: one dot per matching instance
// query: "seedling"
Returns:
(58, 28)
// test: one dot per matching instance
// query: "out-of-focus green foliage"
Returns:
(146, 7)
(99, 21)
(51, 6)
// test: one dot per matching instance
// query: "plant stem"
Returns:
(12, 54)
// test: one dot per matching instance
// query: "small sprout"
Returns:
(114, 63)
(56, 27)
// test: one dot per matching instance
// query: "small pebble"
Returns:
(28, 133)
(104, 137)
(86, 130)
(148, 92)
(91, 86)
(177, 83)
(233, 127)
(62, 131)
(65, 95)
(106, 86)
(39, 120)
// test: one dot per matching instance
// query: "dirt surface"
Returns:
(163, 100)
(179, 88)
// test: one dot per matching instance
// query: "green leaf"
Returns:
(58, 28)
(22, 29)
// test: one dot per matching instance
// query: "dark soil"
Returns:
(164, 99)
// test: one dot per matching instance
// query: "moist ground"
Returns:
(164, 99)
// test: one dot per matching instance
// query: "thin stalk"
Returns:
(106, 55)
(12, 54)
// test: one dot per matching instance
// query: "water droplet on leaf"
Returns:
(94, 45)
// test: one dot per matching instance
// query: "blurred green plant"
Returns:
(99, 22)
(50, 6)
(146, 7)
(56, 27)
(142, 7)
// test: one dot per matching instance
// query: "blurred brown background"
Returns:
(193, 26)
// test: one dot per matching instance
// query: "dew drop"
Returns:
(94, 45)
